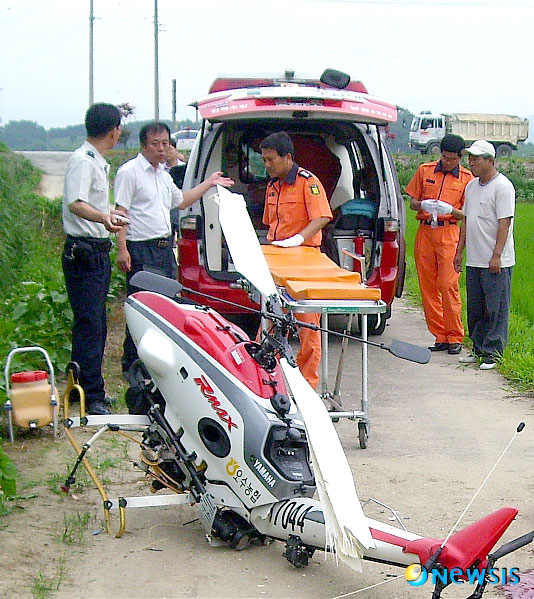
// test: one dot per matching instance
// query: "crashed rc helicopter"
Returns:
(233, 427)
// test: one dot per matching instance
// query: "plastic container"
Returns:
(30, 399)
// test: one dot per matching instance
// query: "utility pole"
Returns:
(156, 68)
(174, 104)
(91, 81)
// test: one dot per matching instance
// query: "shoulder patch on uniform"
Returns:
(304, 173)
(315, 190)
(90, 153)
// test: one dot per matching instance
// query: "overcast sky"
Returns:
(442, 55)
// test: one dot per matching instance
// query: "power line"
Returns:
(41, 49)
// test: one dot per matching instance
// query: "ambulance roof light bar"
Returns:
(329, 79)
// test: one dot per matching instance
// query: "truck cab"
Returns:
(339, 134)
(426, 132)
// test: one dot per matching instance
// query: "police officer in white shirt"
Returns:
(88, 221)
(145, 193)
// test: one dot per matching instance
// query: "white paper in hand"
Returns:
(428, 205)
(444, 208)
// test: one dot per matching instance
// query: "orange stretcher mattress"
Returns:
(300, 256)
(307, 274)
(330, 290)
(281, 274)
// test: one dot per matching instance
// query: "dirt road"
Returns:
(53, 165)
(436, 431)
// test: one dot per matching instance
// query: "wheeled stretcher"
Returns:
(309, 281)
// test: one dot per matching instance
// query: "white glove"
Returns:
(443, 207)
(290, 242)
(429, 205)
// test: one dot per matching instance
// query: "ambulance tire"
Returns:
(376, 323)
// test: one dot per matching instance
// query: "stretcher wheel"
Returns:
(363, 435)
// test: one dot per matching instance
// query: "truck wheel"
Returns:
(503, 151)
(433, 149)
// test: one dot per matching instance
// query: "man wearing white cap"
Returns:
(487, 235)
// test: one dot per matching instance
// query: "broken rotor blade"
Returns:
(242, 241)
(347, 529)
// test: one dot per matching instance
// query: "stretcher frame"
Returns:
(348, 307)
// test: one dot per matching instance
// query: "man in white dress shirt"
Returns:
(145, 193)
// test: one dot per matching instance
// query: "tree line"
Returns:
(29, 135)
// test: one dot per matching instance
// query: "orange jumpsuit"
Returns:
(290, 205)
(435, 249)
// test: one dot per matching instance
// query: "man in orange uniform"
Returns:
(437, 193)
(296, 209)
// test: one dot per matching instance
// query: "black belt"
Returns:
(440, 223)
(161, 242)
(99, 244)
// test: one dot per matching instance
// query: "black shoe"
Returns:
(439, 347)
(97, 407)
(454, 348)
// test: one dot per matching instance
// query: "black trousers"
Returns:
(488, 309)
(146, 255)
(87, 271)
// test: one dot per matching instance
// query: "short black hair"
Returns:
(173, 142)
(452, 143)
(102, 118)
(152, 127)
(280, 142)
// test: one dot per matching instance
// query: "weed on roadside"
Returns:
(74, 527)
(43, 586)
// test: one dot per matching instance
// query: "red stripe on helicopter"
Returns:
(208, 393)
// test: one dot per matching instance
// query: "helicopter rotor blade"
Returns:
(346, 525)
(347, 529)
(408, 351)
(243, 242)
(150, 281)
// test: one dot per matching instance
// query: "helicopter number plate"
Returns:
(207, 511)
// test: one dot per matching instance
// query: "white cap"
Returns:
(480, 147)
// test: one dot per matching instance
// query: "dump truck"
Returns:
(501, 130)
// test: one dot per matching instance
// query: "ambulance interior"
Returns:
(348, 159)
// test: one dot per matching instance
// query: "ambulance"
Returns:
(339, 134)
